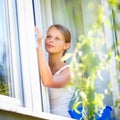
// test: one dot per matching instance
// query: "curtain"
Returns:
(69, 14)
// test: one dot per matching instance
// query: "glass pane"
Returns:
(5, 75)
(117, 25)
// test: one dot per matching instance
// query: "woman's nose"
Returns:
(51, 39)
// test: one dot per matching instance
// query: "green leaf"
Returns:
(67, 56)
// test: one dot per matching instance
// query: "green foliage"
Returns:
(3, 85)
(85, 67)
(87, 61)
(3, 88)
(115, 4)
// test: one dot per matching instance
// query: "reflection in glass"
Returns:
(5, 75)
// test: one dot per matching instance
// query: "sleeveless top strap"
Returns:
(59, 71)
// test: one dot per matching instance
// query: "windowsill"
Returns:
(24, 111)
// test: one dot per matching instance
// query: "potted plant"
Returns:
(86, 63)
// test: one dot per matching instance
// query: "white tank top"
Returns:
(59, 98)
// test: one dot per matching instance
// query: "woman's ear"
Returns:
(67, 46)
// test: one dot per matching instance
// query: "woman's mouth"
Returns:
(49, 46)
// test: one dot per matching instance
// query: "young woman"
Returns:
(55, 73)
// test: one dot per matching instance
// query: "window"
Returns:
(116, 28)
(39, 15)
(9, 54)
(19, 76)
(6, 80)
(78, 18)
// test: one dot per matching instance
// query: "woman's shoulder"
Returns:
(60, 70)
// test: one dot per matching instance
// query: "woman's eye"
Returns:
(48, 36)
(57, 38)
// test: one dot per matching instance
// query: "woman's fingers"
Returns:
(38, 35)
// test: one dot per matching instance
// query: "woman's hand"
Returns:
(39, 35)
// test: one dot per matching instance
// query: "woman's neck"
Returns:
(55, 63)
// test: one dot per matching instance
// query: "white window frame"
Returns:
(30, 97)
(6, 99)
(45, 19)
(31, 84)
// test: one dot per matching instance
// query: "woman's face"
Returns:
(55, 41)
